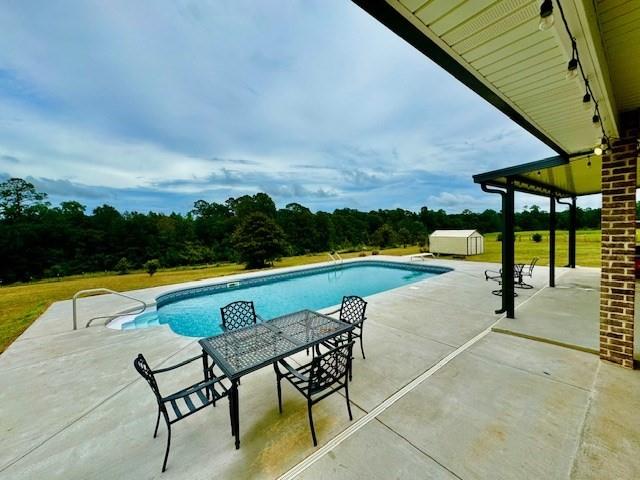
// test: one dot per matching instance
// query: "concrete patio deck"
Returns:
(548, 318)
(439, 396)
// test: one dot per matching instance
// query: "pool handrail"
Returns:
(104, 290)
(335, 257)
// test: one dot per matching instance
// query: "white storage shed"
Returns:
(456, 242)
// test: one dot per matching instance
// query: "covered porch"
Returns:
(568, 73)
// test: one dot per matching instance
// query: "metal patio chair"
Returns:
(518, 282)
(186, 401)
(325, 374)
(352, 311)
(527, 270)
(239, 314)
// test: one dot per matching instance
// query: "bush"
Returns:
(362, 254)
(123, 266)
(499, 237)
(151, 266)
(536, 237)
(375, 252)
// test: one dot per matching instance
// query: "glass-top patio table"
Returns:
(239, 352)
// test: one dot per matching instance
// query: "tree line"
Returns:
(39, 240)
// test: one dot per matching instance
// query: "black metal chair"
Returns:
(352, 311)
(527, 270)
(186, 401)
(238, 314)
(518, 281)
(325, 374)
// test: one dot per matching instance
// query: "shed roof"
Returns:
(453, 233)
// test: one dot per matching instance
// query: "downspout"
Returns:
(505, 266)
(552, 240)
(572, 231)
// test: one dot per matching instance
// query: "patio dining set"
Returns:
(249, 343)
(520, 271)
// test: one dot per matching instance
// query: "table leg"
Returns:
(236, 412)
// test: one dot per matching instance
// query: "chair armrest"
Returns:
(260, 317)
(178, 365)
(293, 371)
(333, 312)
(494, 274)
(194, 388)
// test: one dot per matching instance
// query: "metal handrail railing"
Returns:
(335, 257)
(104, 290)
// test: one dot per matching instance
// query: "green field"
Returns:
(21, 304)
(587, 248)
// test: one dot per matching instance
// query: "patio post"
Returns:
(507, 232)
(552, 240)
(508, 247)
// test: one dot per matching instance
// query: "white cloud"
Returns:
(129, 95)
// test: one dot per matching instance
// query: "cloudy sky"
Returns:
(152, 105)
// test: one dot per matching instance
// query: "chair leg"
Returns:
(205, 369)
(346, 391)
(279, 396)
(362, 347)
(155, 432)
(166, 454)
(313, 430)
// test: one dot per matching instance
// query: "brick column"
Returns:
(617, 278)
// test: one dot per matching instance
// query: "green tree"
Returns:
(258, 240)
(404, 236)
(384, 236)
(17, 196)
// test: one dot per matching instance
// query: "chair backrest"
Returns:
(534, 260)
(353, 309)
(145, 371)
(330, 367)
(237, 315)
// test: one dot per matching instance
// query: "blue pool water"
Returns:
(196, 312)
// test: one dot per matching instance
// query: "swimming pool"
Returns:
(195, 312)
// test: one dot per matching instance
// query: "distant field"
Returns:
(587, 248)
(21, 304)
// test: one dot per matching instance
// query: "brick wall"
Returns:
(617, 280)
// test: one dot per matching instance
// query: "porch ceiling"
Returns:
(496, 48)
(555, 175)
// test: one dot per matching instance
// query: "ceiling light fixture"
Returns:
(572, 66)
(546, 15)
(586, 99)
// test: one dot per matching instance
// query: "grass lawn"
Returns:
(21, 304)
(587, 248)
